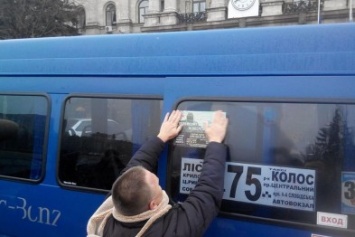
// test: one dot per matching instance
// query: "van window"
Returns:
(23, 120)
(287, 161)
(100, 135)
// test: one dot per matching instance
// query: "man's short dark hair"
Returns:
(131, 193)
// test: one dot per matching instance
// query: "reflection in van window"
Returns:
(286, 161)
(23, 120)
(100, 135)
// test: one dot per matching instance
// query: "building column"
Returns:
(271, 7)
(152, 18)
(217, 11)
(92, 26)
(124, 23)
(170, 5)
(169, 16)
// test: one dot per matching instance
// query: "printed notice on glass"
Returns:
(192, 133)
(283, 187)
(332, 219)
(190, 173)
(348, 193)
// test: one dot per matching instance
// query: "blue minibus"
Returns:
(73, 110)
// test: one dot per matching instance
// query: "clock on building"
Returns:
(242, 5)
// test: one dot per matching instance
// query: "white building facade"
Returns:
(132, 16)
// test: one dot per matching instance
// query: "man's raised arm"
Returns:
(148, 155)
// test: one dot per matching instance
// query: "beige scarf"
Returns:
(98, 220)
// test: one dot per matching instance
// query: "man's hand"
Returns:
(216, 131)
(170, 127)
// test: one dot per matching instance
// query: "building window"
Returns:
(142, 9)
(110, 15)
(81, 18)
(199, 6)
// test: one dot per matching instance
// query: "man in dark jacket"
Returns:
(139, 207)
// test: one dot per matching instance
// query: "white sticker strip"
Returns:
(334, 220)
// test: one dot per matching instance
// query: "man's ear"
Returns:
(153, 204)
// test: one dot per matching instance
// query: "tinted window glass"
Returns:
(23, 122)
(286, 161)
(100, 136)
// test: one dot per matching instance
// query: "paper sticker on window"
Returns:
(193, 134)
(284, 187)
(270, 185)
(332, 219)
(348, 193)
(190, 173)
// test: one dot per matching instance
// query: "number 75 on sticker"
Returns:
(242, 183)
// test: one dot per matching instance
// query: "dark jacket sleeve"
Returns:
(203, 203)
(148, 155)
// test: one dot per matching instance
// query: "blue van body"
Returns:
(306, 64)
